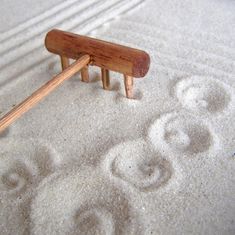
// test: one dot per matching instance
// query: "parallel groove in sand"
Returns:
(36, 40)
(36, 19)
(175, 59)
(38, 29)
(107, 15)
(64, 20)
(180, 32)
(156, 46)
(208, 36)
(173, 69)
(167, 34)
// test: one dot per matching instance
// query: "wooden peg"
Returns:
(43, 91)
(105, 78)
(85, 74)
(128, 80)
(64, 62)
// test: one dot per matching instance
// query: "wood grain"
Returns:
(43, 91)
(122, 59)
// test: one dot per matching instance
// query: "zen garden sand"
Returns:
(90, 161)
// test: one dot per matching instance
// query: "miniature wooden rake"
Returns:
(86, 51)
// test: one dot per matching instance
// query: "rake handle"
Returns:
(43, 91)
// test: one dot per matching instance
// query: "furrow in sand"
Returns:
(73, 20)
(41, 56)
(46, 15)
(225, 52)
(37, 40)
(202, 34)
(177, 67)
(119, 8)
(40, 27)
(37, 33)
(176, 60)
(184, 52)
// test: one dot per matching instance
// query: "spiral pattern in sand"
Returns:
(23, 164)
(180, 133)
(137, 164)
(81, 201)
(203, 94)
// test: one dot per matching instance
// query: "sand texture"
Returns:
(90, 161)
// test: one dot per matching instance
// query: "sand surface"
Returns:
(89, 161)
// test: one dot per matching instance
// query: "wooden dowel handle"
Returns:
(43, 91)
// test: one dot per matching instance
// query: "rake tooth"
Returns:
(85, 74)
(105, 78)
(64, 62)
(128, 81)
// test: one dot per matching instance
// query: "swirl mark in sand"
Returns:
(81, 201)
(23, 164)
(17, 176)
(97, 219)
(203, 94)
(136, 163)
(181, 133)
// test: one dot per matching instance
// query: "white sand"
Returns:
(89, 161)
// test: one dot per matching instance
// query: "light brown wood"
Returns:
(105, 78)
(85, 74)
(111, 56)
(43, 91)
(128, 81)
(64, 62)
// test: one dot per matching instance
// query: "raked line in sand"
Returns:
(83, 23)
(171, 58)
(67, 17)
(189, 51)
(80, 16)
(20, 28)
(211, 45)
